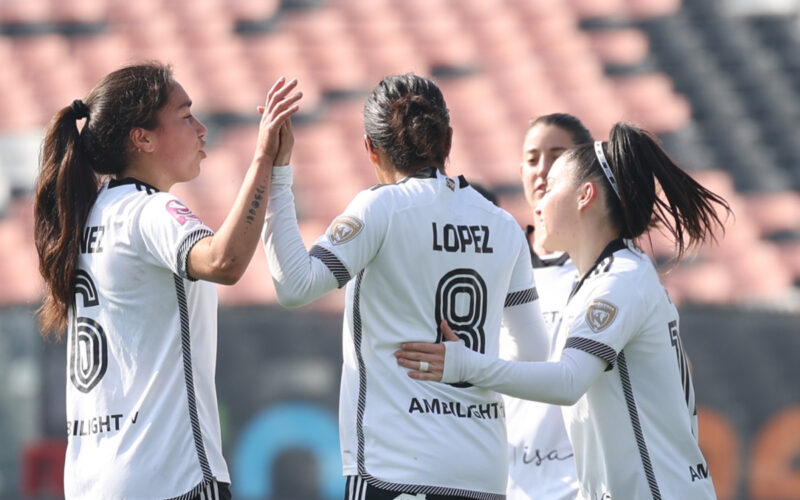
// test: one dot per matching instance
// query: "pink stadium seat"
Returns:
(709, 283)
(19, 271)
(598, 8)
(774, 212)
(82, 11)
(24, 11)
(651, 101)
(247, 10)
(19, 109)
(642, 9)
(331, 51)
(98, 55)
(622, 46)
(53, 84)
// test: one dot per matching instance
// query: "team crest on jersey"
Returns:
(180, 212)
(344, 228)
(600, 314)
(451, 184)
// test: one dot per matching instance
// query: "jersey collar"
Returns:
(140, 185)
(539, 262)
(607, 252)
(431, 173)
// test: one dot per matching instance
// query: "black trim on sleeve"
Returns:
(186, 246)
(594, 348)
(333, 263)
(521, 297)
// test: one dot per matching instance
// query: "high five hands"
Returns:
(275, 138)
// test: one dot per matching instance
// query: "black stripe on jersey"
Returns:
(627, 389)
(356, 488)
(186, 346)
(332, 262)
(141, 186)
(188, 243)
(521, 297)
(594, 348)
(207, 490)
(602, 264)
(362, 373)
(415, 489)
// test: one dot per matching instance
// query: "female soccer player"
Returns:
(130, 273)
(541, 462)
(420, 247)
(622, 375)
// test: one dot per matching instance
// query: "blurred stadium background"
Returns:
(717, 80)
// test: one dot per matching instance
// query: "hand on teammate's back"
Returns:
(413, 354)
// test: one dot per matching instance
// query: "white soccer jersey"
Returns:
(541, 463)
(413, 253)
(142, 418)
(634, 431)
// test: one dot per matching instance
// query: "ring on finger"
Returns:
(424, 366)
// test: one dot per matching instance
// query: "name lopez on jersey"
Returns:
(460, 238)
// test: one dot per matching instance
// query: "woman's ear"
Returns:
(586, 194)
(141, 140)
(372, 151)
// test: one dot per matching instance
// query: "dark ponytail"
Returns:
(65, 190)
(641, 168)
(406, 117)
(70, 162)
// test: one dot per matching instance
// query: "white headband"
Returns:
(601, 157)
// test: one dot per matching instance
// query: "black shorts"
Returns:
(358, 489)
(215, 491)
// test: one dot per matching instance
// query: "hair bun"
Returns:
(80, 109)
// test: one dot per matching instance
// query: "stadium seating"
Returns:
(721, 92)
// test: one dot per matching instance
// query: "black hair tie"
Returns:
(80, 109)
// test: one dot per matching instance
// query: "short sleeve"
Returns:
(354, 237)
(168, 231)
(607, 320)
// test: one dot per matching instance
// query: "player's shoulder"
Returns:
(627, 271)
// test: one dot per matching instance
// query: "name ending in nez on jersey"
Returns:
(97, 425)
(92, 239)
(456, 409)
(460, 238)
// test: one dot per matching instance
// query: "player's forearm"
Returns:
(224, 257)
(562, 383)
(298, 278)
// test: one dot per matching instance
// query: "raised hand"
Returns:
(273, 128)
(284, 155)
